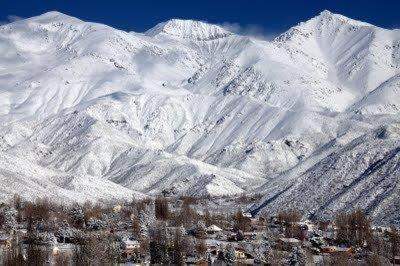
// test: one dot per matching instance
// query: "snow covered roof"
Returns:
(214, 228)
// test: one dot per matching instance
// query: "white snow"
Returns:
(190, 108)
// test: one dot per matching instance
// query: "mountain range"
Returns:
(309, 120)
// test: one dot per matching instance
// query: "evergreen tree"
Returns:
(146, 219)
(297, 257)
(229, 254)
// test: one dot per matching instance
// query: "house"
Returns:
(288, 243)
(5, 241)
(56, 251)
(242, 256)
(117, 208)
(212, 229)
(126, 244)
(336, 249)
(247, 215)
(129, 249)
(396, 260)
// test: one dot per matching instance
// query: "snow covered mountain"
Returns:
(189, 108)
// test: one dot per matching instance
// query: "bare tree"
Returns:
(394, 239)
(161, 208)
(353, 228)
(178, 253)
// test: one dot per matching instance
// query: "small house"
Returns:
(126, 244)
(212, 229)
(288, 243)
(129, 249)
(5, 241)
(335, 249)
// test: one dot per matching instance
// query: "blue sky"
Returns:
(257, 16)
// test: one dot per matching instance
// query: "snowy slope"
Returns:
(189, 108)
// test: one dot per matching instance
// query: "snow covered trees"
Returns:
(262, 252)
(8, 216)
(67, 234)
(229, 254)
(147, 219)
(95, 224)
(77, 216)
(201, 230)
(297, 257)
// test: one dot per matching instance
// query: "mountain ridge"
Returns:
(189, 108)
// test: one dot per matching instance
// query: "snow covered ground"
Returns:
(310, 119)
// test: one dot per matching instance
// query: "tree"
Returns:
(36, 255)
(201, 248)
(186, 215)
(159, 253)
(77, 217)
(161, 208)
(14, 256)
(37, 211)
(241, 222)
(8, 217)
(18, 207)
(239, 235)
(146, 219)
(95, 224)
(394, 239)
(207, 218)
(178, 256)
(297, 257)
(96, 250)
(262, 252)
(136, 227)
(201, 230)
(353, 228)
(66, 234)
(229, 254)
(289, 219)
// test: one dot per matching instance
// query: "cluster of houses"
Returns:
(319, 243)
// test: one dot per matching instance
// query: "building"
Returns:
(129, 249)
(212, 229)
(5, 241)
(288, 243)
(336, 249)
(126, 243)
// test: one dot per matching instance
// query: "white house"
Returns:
(212, 229)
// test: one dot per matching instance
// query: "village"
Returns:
(186, 231)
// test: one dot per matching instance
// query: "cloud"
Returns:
(10, 19)
(252, 30)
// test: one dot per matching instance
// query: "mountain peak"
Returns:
(189, 29)
(327, 15)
